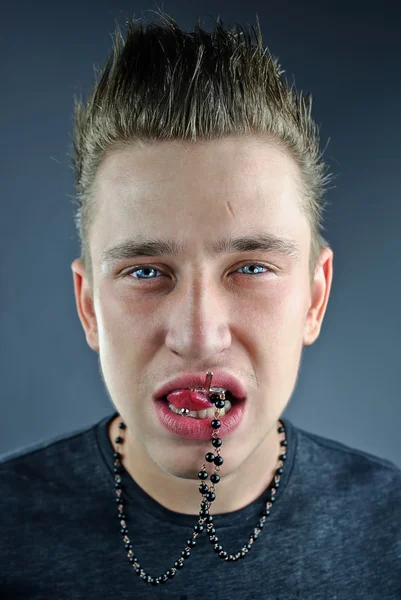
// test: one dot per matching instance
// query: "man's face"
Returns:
(248, 312)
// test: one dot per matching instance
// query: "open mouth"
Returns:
(195, 425)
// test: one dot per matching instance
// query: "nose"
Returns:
(198, 321)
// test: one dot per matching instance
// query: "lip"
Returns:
(220, 379)
(199, 429)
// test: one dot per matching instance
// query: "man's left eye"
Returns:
(254, 265)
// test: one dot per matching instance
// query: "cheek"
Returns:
(276, 326)
(117, 313)
(122, 330)
(278, 313)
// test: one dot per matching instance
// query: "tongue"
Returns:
(185, 398)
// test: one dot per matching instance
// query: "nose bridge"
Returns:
(198, 324)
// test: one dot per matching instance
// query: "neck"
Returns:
(235, 491)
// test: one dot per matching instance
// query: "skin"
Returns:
(196, 313)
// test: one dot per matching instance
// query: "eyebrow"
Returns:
(265, 242)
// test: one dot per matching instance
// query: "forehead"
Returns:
(200, 190)
(243, 163)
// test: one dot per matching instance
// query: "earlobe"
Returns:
(85, 305)
(320, 293)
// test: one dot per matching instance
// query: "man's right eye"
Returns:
(144, 273)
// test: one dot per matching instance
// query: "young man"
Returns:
(203, 274)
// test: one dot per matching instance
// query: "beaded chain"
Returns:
(208, 495)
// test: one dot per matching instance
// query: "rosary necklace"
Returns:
(205, 520)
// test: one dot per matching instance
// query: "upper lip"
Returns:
(220, 379)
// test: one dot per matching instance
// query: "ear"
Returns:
(320, 292)
(85, 305)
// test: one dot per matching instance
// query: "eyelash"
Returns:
(150, 267)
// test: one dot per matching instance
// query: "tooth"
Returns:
(203, 414)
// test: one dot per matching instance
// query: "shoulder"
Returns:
(349, 472)
(44, 466)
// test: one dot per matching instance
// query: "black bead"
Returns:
(214, 398)
(211, 496)
(215, 478)
(203, 488)
(283, 457)
(279, 471)
(265, 512)
(198, 528)
(219, 403)
(178, 565)
(122, 426)
(117, 485)
(283, 443)
(163, 578)
(281, 430)
(204, 512)
(186, 553)
(202, 475)
(118, 440)
(191, 543)
(215, 423)
(218, 461)
(123, 530)
(121, 516)
(211, 531)
(210, 457)
(213, 539)
(223, 554)
(216, 442)
(209, 519)
(170, 574)
(155, 581)
(217, 548)
(116, 454)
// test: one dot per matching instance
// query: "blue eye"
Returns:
(145, 272)
(251, 265)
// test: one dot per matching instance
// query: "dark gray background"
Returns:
(348, 56)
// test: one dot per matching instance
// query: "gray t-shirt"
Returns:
(334, 530)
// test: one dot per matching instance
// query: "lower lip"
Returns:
(199, 429)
